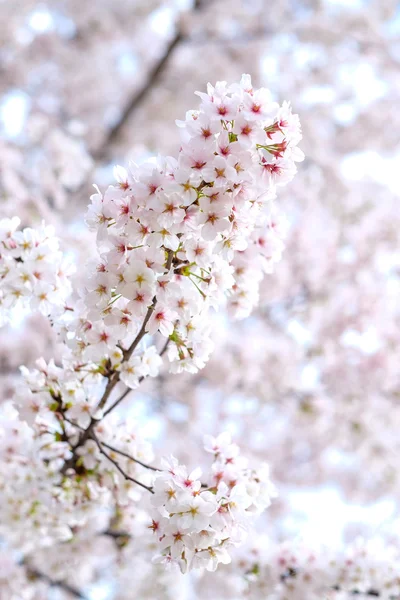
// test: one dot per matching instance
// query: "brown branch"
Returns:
(142, 331)
(136, 460)
(138, 98)
(152, 78)
(114, 379)
(165, 347)
(118, 467)
(126, 392)
(112, 382)
(66, 587)
(122, 397)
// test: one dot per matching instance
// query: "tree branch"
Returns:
(153, 76)
(122, 397)
(118, 467)
(115, 377)
(66, 587)
(136, 100)
(112, 382)
(136, 460)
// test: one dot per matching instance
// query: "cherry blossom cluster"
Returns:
(73, 391)
(30, 485)
(168, 236)
(197, 521)
(296, 571)
(41, 506)
(179, 236)
(33, 272)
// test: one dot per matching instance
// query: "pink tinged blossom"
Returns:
(140, 299)
(122, 321)
(190, 482)
(171, 465)
(195, 158)
(220, 107)
(166, 493)
(258, 106)
(151, 361)
(175, 541)
(219, 171)
(186, 181)
(162, 320)
(195, 514)
(279, 171)
(215, 556)
(199, 127)
(219, 444)
(138, 284)
(198, 251)
(214, 220)
(101, 340)
(89, 454)
(166, 237)
(101, 294)
(247, 131)
(122, 177)
(8, 227)
(131, 371)
(137, 232)
(168, 208)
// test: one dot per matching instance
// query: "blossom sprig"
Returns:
(34, 273)
(178, 236)
(197, 521)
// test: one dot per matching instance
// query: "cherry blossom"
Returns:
(198, 520)
(33, 271)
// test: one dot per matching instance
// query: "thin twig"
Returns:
(142, 331)
(118, 467)
(165, 347)
(126, 392)
(72, 423)
(112, 382)
(136, 460)
(122, 397)
(139, 336)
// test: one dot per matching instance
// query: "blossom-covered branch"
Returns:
(176, 240)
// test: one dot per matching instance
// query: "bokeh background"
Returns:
(311, 381)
